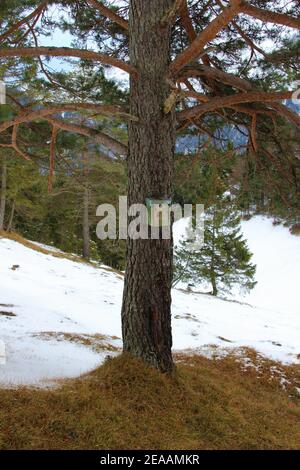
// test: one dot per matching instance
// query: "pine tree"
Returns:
(224, 259)
(165, 46)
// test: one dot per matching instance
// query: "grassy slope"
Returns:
(56, 254)
(125, 404)
(128, 405)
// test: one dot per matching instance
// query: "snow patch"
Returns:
(50, 294)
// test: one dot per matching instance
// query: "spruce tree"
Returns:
(224, 259)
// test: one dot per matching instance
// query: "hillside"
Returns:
(60, 317)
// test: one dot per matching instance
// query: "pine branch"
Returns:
(97, 136)
(268, 16)
(225, 101)
(16, 26)
(27, 116)
(208, 34)
(67, 52)
(240, 84)
(108, 13)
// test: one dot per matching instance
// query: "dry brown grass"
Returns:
(56, 254)
(18, 238)
(96, 342)
(127, 405)
(295, 230)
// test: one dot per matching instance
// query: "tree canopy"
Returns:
(222, 64)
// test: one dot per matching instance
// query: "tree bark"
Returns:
(86, 203)
(146, 311)
(11, 217)
(212, 264)
(86, 225)
(214, 285)
(3, 191)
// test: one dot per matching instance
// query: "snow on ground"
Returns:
(277, 255)
(46, 294)
(52, 249)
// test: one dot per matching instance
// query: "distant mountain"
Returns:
(189, 143)
(294, 106)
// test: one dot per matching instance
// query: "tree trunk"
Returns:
(3, 192)
(86, 224)
(11, 217)
(86, 203)
(212, 263)
(214, 285)
(146, 312)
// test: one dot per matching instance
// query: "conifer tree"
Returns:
(224, 259)
(187, 61)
